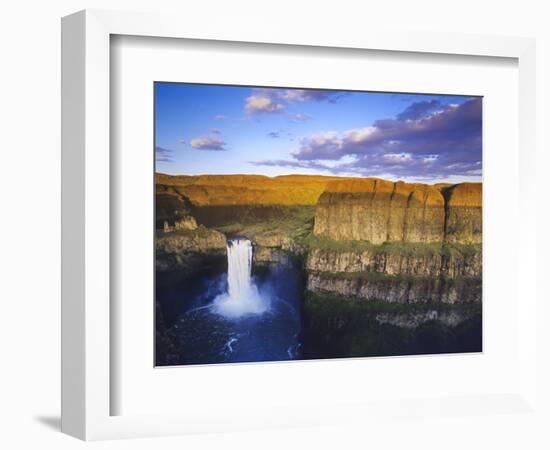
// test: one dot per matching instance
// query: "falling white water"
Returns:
(242, 295)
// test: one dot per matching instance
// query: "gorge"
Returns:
(315, 267)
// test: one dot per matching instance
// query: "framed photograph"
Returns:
(359, 242)
(291, 223)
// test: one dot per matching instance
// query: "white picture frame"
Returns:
(86, 246)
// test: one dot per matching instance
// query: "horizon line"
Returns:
(313, 175)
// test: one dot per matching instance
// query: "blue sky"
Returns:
(207, 129)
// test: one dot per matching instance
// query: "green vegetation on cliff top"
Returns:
(288, 221)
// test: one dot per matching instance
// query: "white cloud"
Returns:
(398, 157)
(359, 135)
(262, 103)
(269, 100)
(294, 95)
(307, 95)
(208, 143)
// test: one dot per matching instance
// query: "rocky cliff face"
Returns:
(464, 213)
(181, 248)
(185, 223)
(444, 275)
(446, 262)
(272, 249)
(411, 320)
(377, 211)
(397, 289)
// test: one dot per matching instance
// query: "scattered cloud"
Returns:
(312, 95)
(419, 109)
(398, 157)
(291, 164)
(182, 141)
(163, 154)
(208, 143)
(272, 100)
(219, 117)
(427, 139)
(260, 103)
(215, 131)
(326, 145)
(305, 95)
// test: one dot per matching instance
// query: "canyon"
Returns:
(365, 237)
(366, 255)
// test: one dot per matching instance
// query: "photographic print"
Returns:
(297, 224)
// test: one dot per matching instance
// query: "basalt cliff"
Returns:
(379, 211)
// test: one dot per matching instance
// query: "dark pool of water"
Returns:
(190, 332)
(195, 334)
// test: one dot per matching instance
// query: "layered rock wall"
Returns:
(180, 249)
(405, 290)
(436, 264)
(377, 211)
(445, 276)
(464, 213)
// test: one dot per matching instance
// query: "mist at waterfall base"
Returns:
(240, 317)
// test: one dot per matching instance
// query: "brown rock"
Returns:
(377, 210)
(397, 290)
(223, 190)
(185, 223)
(464, 215)
(200, 240)
(453, 264)
(424, 215)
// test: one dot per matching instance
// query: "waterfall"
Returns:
(239, 267)
(242, 295)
